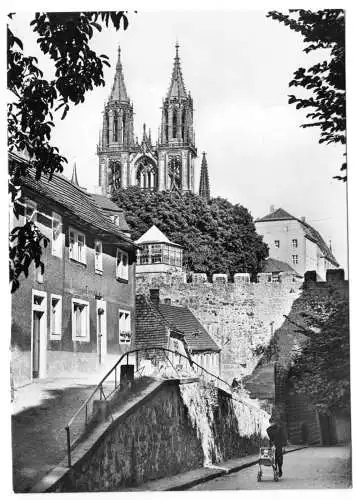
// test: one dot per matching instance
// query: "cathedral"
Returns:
(168, 164)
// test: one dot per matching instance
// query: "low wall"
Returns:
(178, 428)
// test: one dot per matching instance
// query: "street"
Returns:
(317, 467)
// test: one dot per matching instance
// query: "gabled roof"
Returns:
(154, 235)
(177, 87)
(277, 266)
(72, 199)
(279, 214)
(182, 319)
(118, 92)
(310, 232)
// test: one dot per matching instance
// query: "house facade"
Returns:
(80, 313)
(296, 242)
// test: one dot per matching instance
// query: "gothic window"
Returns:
(107, 127)
(175, 173)
(146, 174)
(114, 180)
(183, 124)
(115, 128)
(166, 124)
(123, 128)
(174, 124)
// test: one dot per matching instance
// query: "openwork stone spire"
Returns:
(204, 190)
(177, 87)
(118, 92)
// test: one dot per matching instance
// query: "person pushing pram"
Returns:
(277, 437)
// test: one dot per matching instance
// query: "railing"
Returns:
(111, 386)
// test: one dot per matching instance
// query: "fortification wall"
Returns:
(241, 317)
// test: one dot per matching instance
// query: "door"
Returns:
(36, 350)
(101, 329)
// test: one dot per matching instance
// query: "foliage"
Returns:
(325, 80)
(322, 365)
(217, 237)
(64, 37)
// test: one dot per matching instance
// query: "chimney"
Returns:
(303, 219)
(155, 296)
(271, 209)
(167, 301)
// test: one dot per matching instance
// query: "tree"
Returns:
(217, 237)
(325, 80)
(64, 37)
(321, 367)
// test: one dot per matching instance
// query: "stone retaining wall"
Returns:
(178, 428)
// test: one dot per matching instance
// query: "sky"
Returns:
(237, 65)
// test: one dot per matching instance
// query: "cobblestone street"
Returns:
(318, 467)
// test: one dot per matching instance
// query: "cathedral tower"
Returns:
(176, 149)
(204, 190)
(116, 139)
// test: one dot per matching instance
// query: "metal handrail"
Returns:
(116, 386)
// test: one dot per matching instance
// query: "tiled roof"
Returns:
(277, 266)
(184, 321)
(310, 232)
(72, 198)
(154, 235)
(314, 235)
(150, 329)
(279, 214)
(110, 208)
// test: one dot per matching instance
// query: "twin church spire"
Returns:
(167, 165)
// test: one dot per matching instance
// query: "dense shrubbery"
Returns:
(217, 237)
(322, 366)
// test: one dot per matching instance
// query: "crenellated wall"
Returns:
(241, 317)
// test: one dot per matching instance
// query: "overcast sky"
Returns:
(237, 65)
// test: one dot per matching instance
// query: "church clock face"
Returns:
(175, 173)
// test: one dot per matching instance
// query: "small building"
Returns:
(160, 324)
(157, 254)
(276, 271)
(296, 242)
(80, 313)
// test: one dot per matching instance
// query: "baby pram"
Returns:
(267, 458)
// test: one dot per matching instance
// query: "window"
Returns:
(56, 317)
(80, 320)
(98, 257)
(56, 235)
(122, 267)
(77, 246)
(295, 243)
(124, 327)
(277, 243)
(30, 210)
(115, 219)
(156, 253)
(275, 277)
(295, 259)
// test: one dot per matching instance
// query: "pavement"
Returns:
(315, 467)
(40, 412)
(194, 479)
